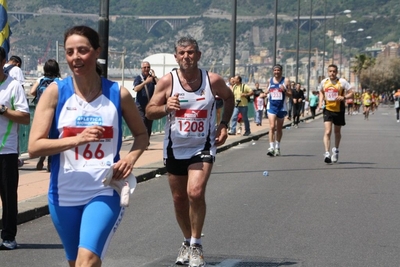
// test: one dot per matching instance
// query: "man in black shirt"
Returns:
(298, 97)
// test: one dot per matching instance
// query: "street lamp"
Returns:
(347, 11)
(341, 44)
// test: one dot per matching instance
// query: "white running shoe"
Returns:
(277, 152)
(327, 158)
(183, 254)
(271, 152)
(196, 258)
(335, 155)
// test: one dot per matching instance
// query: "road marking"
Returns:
(228, 263)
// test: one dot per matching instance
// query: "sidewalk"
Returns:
(33, 184)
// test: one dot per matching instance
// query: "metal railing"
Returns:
(158, 127)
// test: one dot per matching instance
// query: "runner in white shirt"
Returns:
(187, 97)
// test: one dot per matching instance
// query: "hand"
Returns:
(91, 134)
(172, 103)
(221, 135)
(122, 169)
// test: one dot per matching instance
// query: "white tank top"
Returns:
(191, 130)
(77, 173)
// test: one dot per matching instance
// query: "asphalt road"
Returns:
(304, 213)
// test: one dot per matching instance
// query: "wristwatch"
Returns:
(3, 109)
(225, 123)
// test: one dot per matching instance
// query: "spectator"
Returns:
(241, 93)
(51, 72)
(14, 110)
(13, 69)
(313, 103)
(144, 85)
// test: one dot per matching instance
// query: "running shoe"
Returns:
(335, 155)
(277, 152)
(327, 158)
(8, 245)
(183, 254)
(271, 152)
(196, 258)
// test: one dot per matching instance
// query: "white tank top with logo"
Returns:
(77, 173)
(191, 130)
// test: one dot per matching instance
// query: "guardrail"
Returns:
(158, 127)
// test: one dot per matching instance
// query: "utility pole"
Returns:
(275, 30)
(233, 40)
(104, 33)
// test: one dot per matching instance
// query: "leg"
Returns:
(279, 125)
(178, 185)
(272, 127)
(234, 120)
(100, 219)
(199, 174)
(327, 135)
(39, 165)
(9, 178)
(244, 111)
(338, 135)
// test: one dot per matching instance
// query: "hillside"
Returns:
(35, 37)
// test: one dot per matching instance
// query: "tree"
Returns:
(383, 76)
(362, 63)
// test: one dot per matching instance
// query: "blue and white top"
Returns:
(276, 96)
(77, 173)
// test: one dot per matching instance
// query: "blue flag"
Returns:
(4, 27)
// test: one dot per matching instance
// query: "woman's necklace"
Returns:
(89, 96)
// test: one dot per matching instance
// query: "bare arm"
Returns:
(158, 105)
(321, 99)
(131, 115)
(34, 89)
(39, 144)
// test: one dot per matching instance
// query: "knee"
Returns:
(180, 201)
(196, 195)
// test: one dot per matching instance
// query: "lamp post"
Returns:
(275, 30)
(350, 57)
(298, 41)
(341, 44)
(233, 40)
(347, 11)
(309, 48)
(323, 56)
